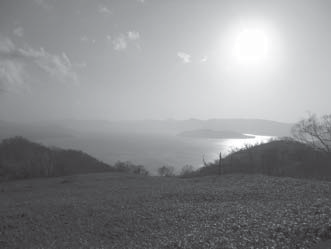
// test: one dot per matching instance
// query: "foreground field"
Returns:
(121, 211)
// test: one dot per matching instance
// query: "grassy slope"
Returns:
(120, 211)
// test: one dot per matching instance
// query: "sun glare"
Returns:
(251, 46)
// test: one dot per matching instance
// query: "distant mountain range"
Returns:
(64, 128)
(170, 126)
(33, 131)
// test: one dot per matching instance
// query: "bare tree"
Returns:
(315, 132)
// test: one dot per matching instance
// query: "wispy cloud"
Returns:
(6, 45)
(86, 39)
(120, 43)
(12, 74)
(185, 58)
(19, 31)
(133, 35)
(13, 61)
(82, 64)
(204, 59)
(58, 66)
(140, 1)
(103, 9)
(44, 4)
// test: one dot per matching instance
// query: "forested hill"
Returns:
(20, 158)
(277, 158)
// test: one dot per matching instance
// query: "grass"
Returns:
(123, 211)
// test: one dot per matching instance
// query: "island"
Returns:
(207, 133)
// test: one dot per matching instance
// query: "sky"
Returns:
(157, 59)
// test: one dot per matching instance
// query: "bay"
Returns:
(153, 150)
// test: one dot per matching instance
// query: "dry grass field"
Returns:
(123, 211)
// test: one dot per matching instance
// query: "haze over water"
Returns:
(153, 150)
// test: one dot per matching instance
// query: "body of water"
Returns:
(153, 151)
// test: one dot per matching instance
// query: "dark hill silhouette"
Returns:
(20, 158)
(278, 158)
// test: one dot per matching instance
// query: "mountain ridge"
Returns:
(73, 127)
(207, 133)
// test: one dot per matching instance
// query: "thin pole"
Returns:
(220, 164)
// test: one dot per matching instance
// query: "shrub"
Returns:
(166, 171)
(186, 171)
(129, 167)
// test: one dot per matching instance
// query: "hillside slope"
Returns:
(20, 158)
(278, 158)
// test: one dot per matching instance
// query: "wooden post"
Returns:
(220, 164)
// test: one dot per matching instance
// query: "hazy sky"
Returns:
(153, 59)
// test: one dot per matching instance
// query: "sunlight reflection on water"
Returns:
(226, 146)
(154, 151)
(233, 144)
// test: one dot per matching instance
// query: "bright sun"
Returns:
(251, 47)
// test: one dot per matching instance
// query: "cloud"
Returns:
(84, 38)
(12, 76)
(13, 62)
(133, 35)
(103, 9)
(6, 45)
(18, 31)
(141, 1)
(120, 43)
(82, 64)
(58, 66)
(87, 40)
(204, 59)
(186, 58)
(44, 4)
